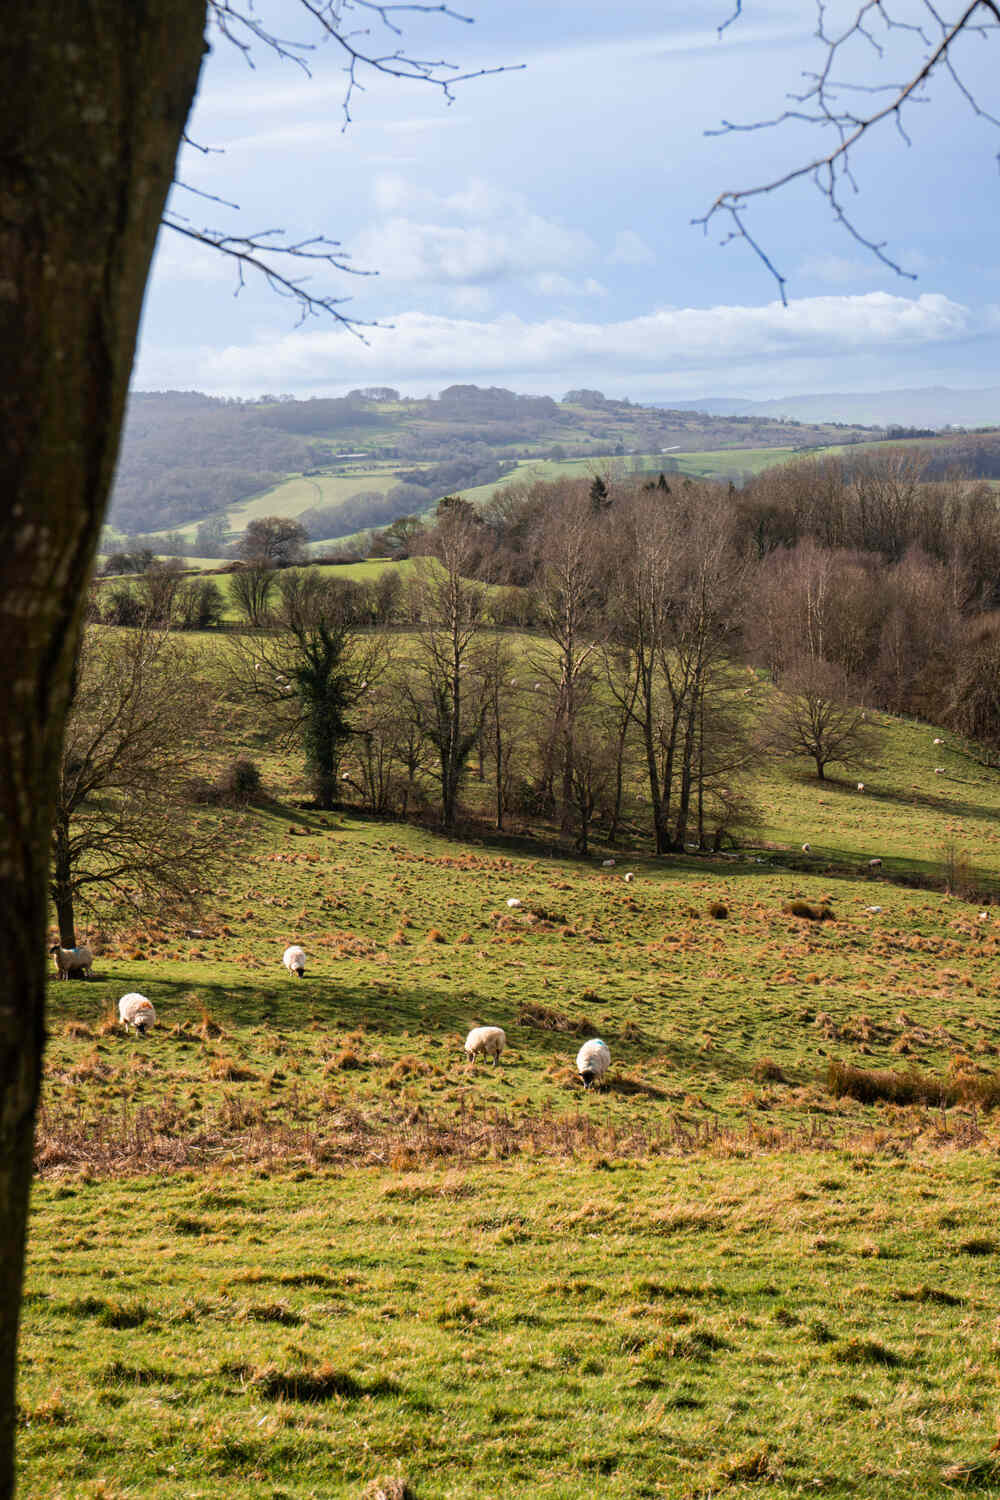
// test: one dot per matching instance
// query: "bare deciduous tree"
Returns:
(566, 594)
(817, 716)
(251, 589)
(122, 827)
(449, 603)
(277, 541)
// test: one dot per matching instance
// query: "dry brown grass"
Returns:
(809, 910)
(962, 1085)
(544, 1018)
(135, 1141)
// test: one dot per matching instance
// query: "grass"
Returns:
(676, 1329)
(292, 1243)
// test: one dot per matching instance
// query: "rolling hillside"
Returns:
(190, 462)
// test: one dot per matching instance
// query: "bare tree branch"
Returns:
(268, 253)
(821, 105)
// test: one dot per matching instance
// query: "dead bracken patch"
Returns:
(912, 1086)
(811, 911)
(544, 1018)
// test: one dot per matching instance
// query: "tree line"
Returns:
(603, 658)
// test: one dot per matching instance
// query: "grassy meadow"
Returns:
(292, 1244)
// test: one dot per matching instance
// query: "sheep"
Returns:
(874, 864)
(861, 786)
(592, 1061)
(72, 960)
(939, 770)
(513, 902)
(294, 960)
(607, 864)
(488, 1040)
(135, 1010)
(807, 848)
(938, 740)
(628, 877)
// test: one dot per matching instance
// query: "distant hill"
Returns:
(188, 458)
(933, 406)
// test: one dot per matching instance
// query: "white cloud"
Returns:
(630, 249)
(475, 235)
(670, 347)
(411, 252)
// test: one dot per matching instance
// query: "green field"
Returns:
(299, 493)
(292, 1241)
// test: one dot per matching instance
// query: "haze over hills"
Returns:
(931, 406)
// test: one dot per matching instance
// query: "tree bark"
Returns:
(95, 101)
(62, 884)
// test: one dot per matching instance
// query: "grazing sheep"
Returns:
(807, 848)
(72, 960)
(513, 901)
(874, 910)
(607, 864)
(861, 786)
(592, 1061)
(939, 740)
(984, 916)
(628, 877)
(939, 770)
(488, 1040)
(874, 864)
(135, 1010)
(294, 960)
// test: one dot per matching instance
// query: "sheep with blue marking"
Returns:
(71, 961)
(593, 1061)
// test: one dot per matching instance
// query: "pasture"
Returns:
(292, 1243)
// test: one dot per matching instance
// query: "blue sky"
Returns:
(536, 233)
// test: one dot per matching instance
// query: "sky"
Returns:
(536, 232)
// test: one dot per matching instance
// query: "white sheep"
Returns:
(592, 1061)
(135, 1010)
(939, 770)
(513, 902)
(874, 864)
(72, 960)
(807, 848)
(628, 877)
(939, 740)
(861, 786)
(488, 1040)
(607, 864)
(294, 960)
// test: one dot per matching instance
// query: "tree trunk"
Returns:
(95, 101)
(62, 884)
